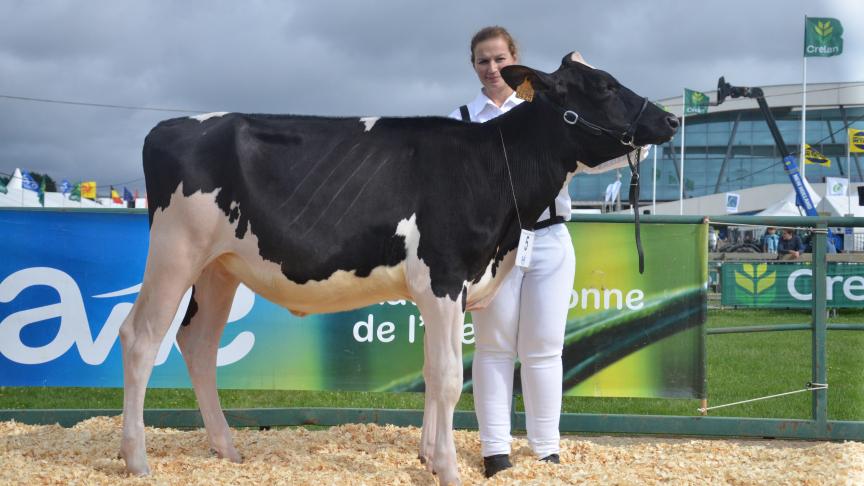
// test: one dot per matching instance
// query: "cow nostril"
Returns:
(672, 121)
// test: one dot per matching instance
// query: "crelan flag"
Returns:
(823, 37)
(88, 189)
(814, 157)
(856, 141)
(695, 102)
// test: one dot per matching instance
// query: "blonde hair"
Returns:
(493, 32)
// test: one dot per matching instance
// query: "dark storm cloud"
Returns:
(346, 58)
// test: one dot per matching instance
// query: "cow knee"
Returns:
(447, 381)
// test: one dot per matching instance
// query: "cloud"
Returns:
(345, 58)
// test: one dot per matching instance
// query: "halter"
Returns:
(626, 137)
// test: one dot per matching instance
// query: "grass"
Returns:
(740, 367)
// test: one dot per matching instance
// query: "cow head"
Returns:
(597, 106)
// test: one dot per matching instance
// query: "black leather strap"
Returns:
(463, 110)
(549, 222)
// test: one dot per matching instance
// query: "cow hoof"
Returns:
(136, 464)
(451, 479)
(231, 455)
(136, 468)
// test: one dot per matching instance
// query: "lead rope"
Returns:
(510, 178)
(634, 203)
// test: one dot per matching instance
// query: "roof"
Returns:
(819, 95)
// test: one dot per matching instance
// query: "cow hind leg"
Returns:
(141, 334)
(442, 370)
(198, 339)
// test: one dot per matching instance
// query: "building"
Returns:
(730, 149)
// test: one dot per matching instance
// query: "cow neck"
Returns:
(510, 178)
(527, 122)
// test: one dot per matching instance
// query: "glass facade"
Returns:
(716, 161)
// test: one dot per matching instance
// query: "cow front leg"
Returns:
(213, 295)
(140, 336)
(443, 319)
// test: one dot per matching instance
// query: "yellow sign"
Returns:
(814, 157)
(856, 141)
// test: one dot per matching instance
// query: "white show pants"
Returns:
(526, 319)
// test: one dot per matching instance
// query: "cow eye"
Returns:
(602, 91)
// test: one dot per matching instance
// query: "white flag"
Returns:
(836, 186)
(733, 200)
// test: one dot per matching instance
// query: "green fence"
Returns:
(817, 427)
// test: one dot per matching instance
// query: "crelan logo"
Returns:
(697, 98)
(823, 29)
(755, 284)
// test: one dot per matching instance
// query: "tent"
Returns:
(840, 206)
(786, 206)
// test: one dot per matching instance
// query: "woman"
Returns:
(528, 316)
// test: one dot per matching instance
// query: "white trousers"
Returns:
(525, 320)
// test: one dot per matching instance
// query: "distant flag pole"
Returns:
(681, 171)
(694, 102)
(654, 185)
(849, 134)
(804, 107)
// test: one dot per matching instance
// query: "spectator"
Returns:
(770, 240)
(790, 246)
(713, 238)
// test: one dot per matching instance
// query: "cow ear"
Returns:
(574, 57)
(526, 81)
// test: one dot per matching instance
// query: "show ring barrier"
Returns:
(818, 427)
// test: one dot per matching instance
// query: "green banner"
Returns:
(628, 335)
(790, 285)
(695, 102)
(823, 37)
(637, 335)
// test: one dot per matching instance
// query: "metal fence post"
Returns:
(819, 353)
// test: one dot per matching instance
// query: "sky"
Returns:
(353, 58)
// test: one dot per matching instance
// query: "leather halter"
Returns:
(626, 137)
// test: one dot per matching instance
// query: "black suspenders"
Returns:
(463, 110)
(553, 215)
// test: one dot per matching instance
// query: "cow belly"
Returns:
(481, 293)
(194, 225)
(340, 292)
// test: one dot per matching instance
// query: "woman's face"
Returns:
(489, 57)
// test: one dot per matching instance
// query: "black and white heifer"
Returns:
(328, 214)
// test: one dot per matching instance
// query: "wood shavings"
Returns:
(360, 454)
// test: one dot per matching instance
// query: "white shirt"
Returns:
(481, 109)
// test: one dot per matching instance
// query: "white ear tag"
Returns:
(525, 249)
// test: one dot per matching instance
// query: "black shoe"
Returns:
(553, 458)
(495, 464)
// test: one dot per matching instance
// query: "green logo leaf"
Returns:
(824, 29)
(697, 98)
(756, 282)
